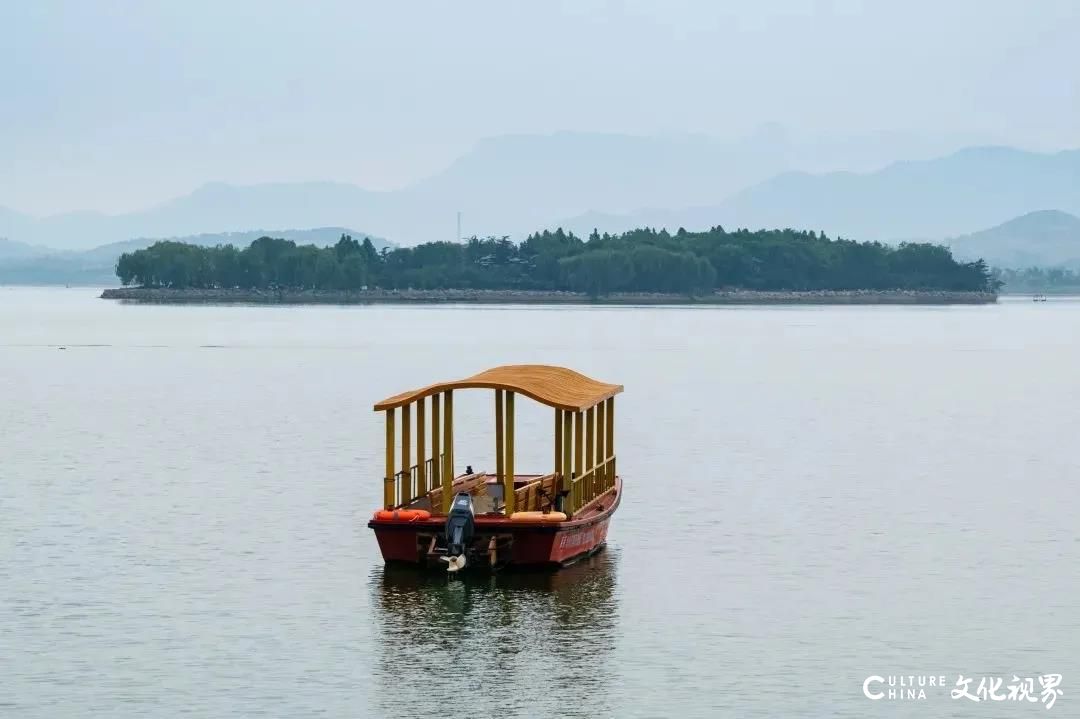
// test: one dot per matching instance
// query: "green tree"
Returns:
(353, 272)
(597, 273)
(327, 271)
(645, 260)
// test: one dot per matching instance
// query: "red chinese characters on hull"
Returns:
(576, 542)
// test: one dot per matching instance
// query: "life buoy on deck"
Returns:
(404, 515)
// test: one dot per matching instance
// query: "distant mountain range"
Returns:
(12, 250)
(213, 208)
(947, 196)
(1047, 238)
(27, 264)
(515, 185)
(507, 185)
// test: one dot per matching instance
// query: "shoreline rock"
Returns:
(151, 295)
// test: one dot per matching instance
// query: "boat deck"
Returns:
(532, 490)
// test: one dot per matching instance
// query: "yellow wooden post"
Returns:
(508, 461)
(500, 440)
(388, 481)
(590, 452)
(421, 448)
(448, 440)
(406, 453)
(567, 444)
(558, 450)
(601, 437)
(579, 456)
(448, 450)
(436, 433)
(611, 438)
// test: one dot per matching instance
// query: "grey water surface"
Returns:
(813, 495)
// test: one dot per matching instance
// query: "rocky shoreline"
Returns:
(151, 295)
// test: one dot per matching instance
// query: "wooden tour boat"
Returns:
(433, 516)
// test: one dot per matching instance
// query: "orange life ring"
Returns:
(537, 517)
(404, 515)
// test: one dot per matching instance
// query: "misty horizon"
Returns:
(515, 185)
(921, 149)
(159, 101)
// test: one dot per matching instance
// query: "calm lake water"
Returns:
(813, 496)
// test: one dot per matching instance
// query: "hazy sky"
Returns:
(114, 106)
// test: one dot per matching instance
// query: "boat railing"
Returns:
(410, 484)
(537, 495)
(474, 484)
(592, 483)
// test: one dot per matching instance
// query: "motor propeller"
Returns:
(455, 564)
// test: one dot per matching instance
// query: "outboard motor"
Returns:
(459, 531)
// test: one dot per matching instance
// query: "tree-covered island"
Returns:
(685, 263)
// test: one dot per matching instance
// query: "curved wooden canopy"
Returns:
(556, 387)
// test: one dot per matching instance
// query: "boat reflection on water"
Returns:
(494, 644)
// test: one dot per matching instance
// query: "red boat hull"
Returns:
(532, 544)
